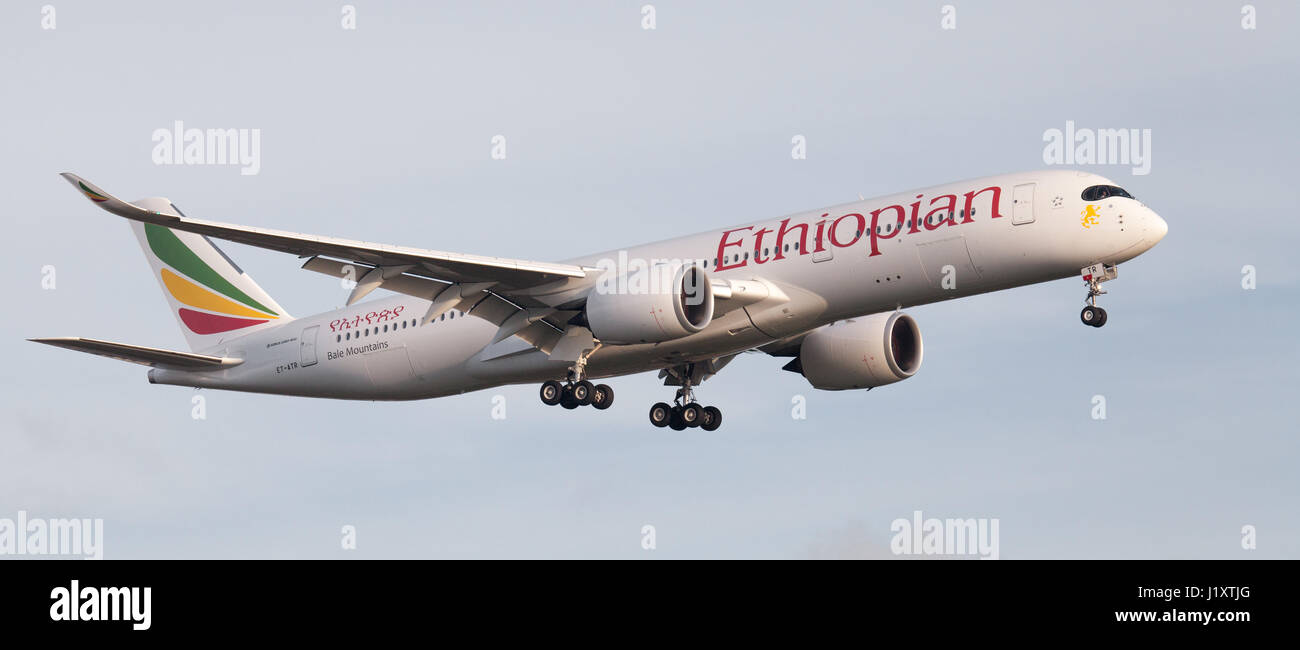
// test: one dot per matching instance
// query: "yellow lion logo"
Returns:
(1090, 216)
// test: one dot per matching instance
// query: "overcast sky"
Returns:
(618, 135)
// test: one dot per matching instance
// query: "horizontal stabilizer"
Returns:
(155, 357)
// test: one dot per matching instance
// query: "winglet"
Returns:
(92, 191)
(112, 203)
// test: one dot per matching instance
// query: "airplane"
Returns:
(825, 288)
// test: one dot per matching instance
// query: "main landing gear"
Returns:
(577, 391)
(1093, 276)
(571, 395)
(685, 411)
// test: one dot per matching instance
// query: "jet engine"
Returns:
(651, 305)
(860, 352)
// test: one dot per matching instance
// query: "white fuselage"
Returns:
(1039, 234)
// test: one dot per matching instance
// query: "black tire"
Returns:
(675, 419)
(1102, 320)
(660, 414)
(566, 398)
(712, 418)
(602, 397)
(692, 414)
(582, 392)
(1090, 315)
(552, 391)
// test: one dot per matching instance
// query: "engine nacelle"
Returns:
(862, 352)
(654, 304)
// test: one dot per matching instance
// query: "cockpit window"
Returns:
(1099, 192)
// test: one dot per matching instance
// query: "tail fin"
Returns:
(213, 299)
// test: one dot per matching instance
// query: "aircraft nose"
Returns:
(1156, 229)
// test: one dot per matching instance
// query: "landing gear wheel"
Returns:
(552, 391)
(567, 400)
(711, 419)
(675, 419)
(684, 412)
(660, 414)
(602, 397)
(1094, 316)
(692, 414)
(582, 392)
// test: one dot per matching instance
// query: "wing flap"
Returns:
(541, 326)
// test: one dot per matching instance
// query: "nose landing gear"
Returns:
(1093, 276)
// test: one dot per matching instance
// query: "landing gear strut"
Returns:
(1093, 276)
(577, 391)
(685, 411)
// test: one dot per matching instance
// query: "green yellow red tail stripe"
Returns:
(225, 307)
(170, 249)
(195, 296)
(201, 323)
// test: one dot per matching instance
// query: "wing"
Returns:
(155, 357)
(493, 288)
(451, 267)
